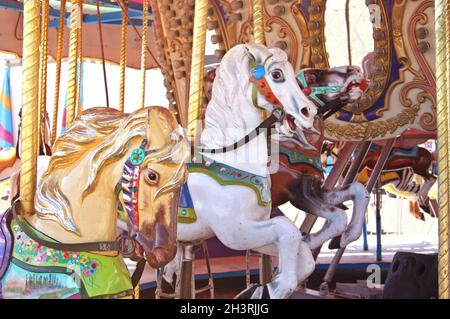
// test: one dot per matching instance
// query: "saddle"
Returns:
(6, 241)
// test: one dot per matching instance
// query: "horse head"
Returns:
(333, 88)
(274, 78)
(161, 175)
(106, 158)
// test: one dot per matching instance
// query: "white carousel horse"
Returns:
(235, 213)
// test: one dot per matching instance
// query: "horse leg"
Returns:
(425, 188)
(358, 193)
(306, 196)
(279, 231)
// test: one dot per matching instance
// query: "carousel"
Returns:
(287, 130)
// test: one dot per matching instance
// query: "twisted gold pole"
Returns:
(30, 104)
(43, 66)
(144, 49)
(79, 65)
(197, 68)
(258, 21)
(59, 51)
(443, 90)
(75, 22)
(123, 56)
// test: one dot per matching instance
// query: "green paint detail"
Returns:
(186, 215)
(227, 175)
(101, 275)
(295, 157)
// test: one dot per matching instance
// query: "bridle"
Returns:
(260, 85)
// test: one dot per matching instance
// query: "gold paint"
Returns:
(123, 56)
(398, 11)
(319, 17)
(300, 19)
(258, 22)
(371, 130)
(442, 8)
(75, 22)
(59, 51)
(67, 199)
(144, 50)
(43, 64)
(197, 69)
(79, 65)
(30, 104)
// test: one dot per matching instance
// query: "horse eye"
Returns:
(277, 76)
(151, 177)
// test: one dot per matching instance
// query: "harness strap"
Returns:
(276, 115)
(92, 246)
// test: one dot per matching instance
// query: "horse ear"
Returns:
(249, 54)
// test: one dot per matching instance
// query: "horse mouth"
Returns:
(291, 122)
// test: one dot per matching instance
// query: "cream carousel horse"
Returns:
(69, 247)
(230, 189)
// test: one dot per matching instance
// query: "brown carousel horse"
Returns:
(400, 171)
(299, 179)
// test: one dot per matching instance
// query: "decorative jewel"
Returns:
(258, 72)
(137, 156)
(183, 212)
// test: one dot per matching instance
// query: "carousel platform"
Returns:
(355, 259)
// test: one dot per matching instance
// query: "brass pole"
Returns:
(59, 51)
(43, 62)
(75, 22)
(258, 21)
(123, 56)
(443, 82)
(30, 104)
(144, 49)
(79, 65)
(197, 68)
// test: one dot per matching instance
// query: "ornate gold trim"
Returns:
(442, 8)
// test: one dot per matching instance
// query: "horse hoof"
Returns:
(335, 243)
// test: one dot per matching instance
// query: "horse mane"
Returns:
(223, 114)
(99, 133)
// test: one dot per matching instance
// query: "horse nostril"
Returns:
(305, 111)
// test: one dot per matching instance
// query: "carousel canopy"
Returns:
(111, 16)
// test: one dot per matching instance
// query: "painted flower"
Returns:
(76, 255)
(86, 273)
(28, 258)
(37, 259)
(56, 259)
(84, 260)
(19, 236)
(92, 271)
(66, 255)
(94, 264)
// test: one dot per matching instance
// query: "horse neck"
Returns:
(243, 118)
